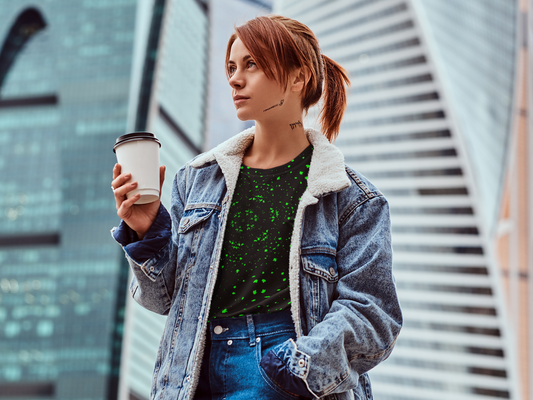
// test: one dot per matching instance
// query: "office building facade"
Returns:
(428, 121)
(73, 77)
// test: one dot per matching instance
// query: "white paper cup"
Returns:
(138, 154)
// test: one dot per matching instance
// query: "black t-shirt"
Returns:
(254, 266)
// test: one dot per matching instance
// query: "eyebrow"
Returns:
(245, 58)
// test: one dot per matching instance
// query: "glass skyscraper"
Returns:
(428, 121)
(74, 75)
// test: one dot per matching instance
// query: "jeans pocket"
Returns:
(265, 344)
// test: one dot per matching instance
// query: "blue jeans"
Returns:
(234, 348)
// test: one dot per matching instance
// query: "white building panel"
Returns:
(437, 239)
(446, 376)
(450, 279)
(396, 129)
(403, 146)
(392, 93)
(395, 110)
(411, 148)
(447, 298)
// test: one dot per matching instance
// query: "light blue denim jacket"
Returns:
(343, 298)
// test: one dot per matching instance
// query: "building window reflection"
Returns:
(28, 23)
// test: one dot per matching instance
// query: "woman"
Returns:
(274, 262)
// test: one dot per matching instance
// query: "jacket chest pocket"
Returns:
(192, 226)
(318, 281)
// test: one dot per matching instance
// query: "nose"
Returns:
(237, 80)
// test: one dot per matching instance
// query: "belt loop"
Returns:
(251, 329)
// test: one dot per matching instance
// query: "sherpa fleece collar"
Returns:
(327, 172)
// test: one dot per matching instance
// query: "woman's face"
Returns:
(255, 96)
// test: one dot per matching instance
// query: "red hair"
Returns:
(279, 45)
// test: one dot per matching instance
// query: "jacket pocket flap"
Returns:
(193, 217)
(321, 264)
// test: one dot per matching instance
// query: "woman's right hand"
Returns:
(138, 217)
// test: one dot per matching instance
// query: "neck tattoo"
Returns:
(275, 105)
(296, 124)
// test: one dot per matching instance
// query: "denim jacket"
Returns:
(343, 298)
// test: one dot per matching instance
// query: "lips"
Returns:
(238, 99)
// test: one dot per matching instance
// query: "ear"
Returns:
(299, 79)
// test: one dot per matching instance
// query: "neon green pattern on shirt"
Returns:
(254, 267)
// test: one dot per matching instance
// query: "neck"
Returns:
(276, 143)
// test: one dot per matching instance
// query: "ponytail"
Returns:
(334, 104)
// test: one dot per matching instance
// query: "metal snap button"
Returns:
(301, 362)
(230, 342)
(332, 271)
(218, 330)
(258, 339)
(152, 269)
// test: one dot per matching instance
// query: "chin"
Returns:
(243, 116)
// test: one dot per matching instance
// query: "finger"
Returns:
(120, 180)
(122, 191)
(116, 170)
(124, 208)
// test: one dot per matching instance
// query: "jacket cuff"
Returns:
(155, 239)
(288, 368)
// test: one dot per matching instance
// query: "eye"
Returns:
(251, 64)
(231, 70)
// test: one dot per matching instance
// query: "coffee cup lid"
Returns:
(130, 137)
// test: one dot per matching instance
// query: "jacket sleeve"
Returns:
(363, 322)
(153, 260)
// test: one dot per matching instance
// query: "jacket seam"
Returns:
(183, 200)
(353, 207)
(327, 390)
(134, 290)
(368, 196)
(318, 250)
(169, 296)
(150, 262)
(359, 183)
(195, 206)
